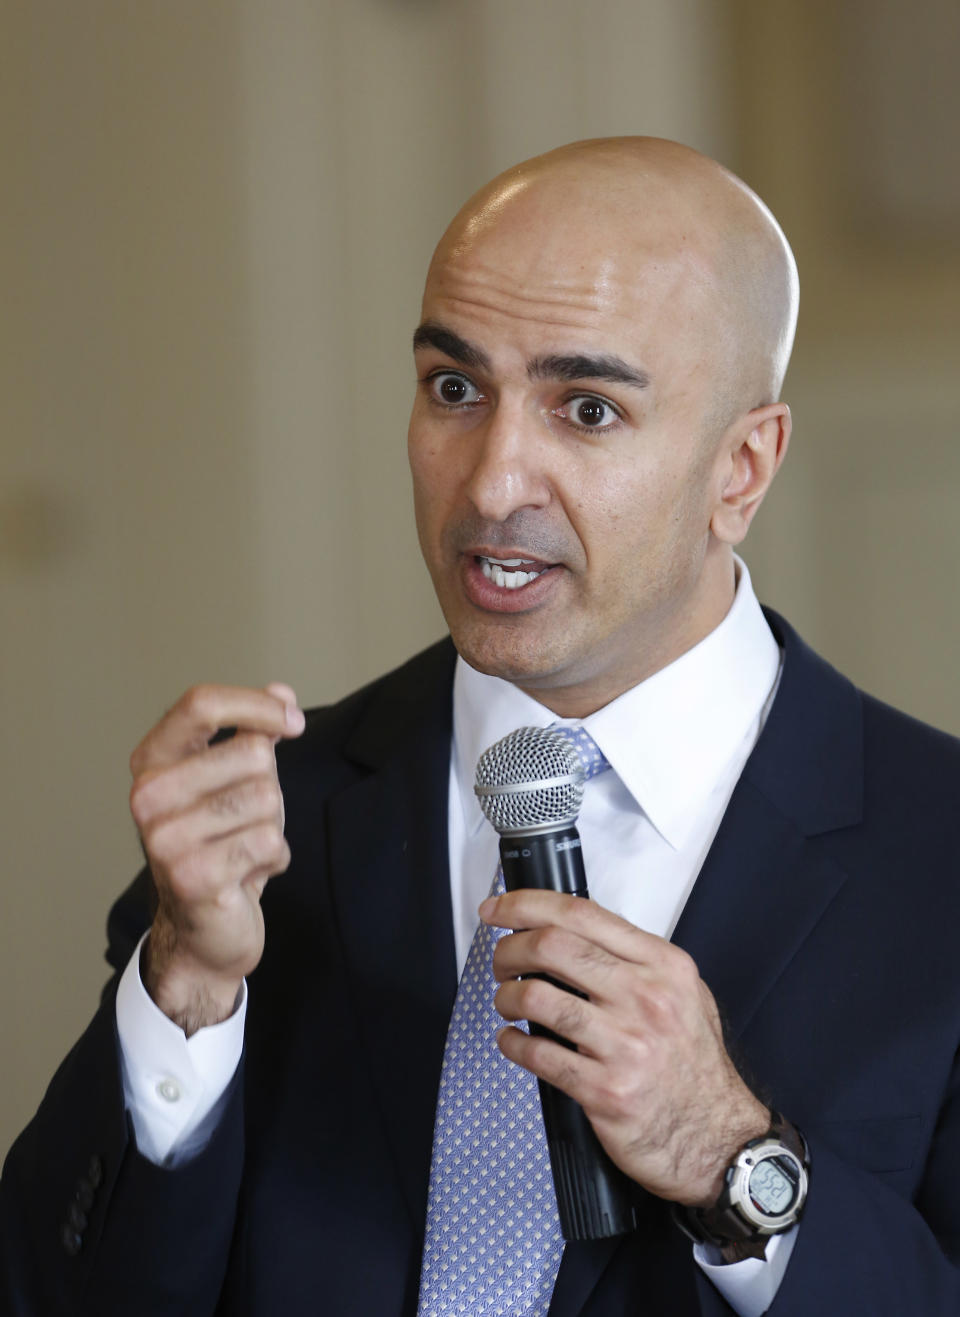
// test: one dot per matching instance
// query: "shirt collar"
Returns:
(669, 739)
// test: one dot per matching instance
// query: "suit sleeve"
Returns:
(863, 1248)
(88, 1224)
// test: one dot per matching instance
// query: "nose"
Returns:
(509, 467)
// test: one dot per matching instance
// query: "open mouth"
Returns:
(511, 573)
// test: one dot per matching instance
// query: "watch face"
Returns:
(773, 1185)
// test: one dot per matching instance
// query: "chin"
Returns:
(516, 659)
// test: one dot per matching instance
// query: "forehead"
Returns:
(540, 277)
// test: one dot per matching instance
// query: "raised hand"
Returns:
(211, 821)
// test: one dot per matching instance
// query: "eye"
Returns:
(451, 389)
(586, 411)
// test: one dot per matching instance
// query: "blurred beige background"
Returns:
(215, 221)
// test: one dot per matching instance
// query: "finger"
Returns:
(208, 873)
(528, 908)
(282, 691)
(565, 956)
(572, 1072)
(220, 814)
(162, 791)
(203, 711)
(574, 1018)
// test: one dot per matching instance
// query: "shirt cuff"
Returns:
(174, 1086)
(749, 1286)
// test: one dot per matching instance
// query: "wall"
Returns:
(847, 125)
(216, 218)
(216, 221)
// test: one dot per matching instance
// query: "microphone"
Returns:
(530, 786)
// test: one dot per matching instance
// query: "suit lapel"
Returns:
(752, 908)
(390, 878)
(765, 883)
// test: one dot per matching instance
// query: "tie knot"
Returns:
(591, 756)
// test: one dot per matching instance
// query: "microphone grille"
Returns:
(531, 780)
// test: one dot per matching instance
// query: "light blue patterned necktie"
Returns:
(493, 1243)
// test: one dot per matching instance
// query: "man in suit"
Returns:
(604, 336)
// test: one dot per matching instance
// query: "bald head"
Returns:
(604, 334)
(646, 227)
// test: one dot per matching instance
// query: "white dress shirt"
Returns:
(676, 743)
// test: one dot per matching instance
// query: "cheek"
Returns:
(435, 486)
(626, 506)
(643, 515)
(423, 454)
(418, 444)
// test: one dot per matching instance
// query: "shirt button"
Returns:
(169, 1090)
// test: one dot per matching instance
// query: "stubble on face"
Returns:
(608, 248)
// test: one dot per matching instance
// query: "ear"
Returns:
(751, 452)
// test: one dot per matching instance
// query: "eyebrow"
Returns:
(556, 366)
(588, 366)
(432, 335)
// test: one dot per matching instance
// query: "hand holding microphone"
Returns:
(530, 786)
(640, 1055)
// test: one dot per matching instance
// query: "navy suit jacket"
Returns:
(825, 921)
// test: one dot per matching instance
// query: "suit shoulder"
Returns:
(829, 750)
(808, 676)
(381, 708)
(913, 745)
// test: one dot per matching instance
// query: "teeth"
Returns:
(493, 571)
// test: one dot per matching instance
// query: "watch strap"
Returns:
(722, 1225)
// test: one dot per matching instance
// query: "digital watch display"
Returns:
(766, 1185)
(772, 1186)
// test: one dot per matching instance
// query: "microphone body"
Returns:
(594, 1197)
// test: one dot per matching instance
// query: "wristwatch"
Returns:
(764, 1190)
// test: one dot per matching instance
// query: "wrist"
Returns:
(751, 1123)
(192, 996)
(764, 1191)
